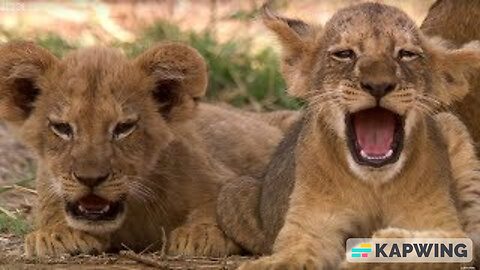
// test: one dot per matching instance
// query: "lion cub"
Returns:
(125, 150)
(370, 155)
(457, 21)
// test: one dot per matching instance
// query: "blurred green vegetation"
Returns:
(237, 74)
(17, 225)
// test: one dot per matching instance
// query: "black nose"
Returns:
(90, 180)
(378, 90)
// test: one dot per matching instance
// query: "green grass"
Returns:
(237, 74)
(17, 225)
(55, 44)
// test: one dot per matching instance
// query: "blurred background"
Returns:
(242, 58)
(241, 54)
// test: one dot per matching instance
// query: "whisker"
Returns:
(151, 201)
(425, 109)
(424, 98)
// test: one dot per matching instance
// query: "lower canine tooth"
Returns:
(81, 208)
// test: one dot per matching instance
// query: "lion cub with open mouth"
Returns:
(126, 152)
(370, 155)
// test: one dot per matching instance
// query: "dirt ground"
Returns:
(12, 245)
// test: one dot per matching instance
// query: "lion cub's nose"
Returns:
(378, 90)
(90, 180)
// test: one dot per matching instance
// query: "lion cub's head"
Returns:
(370, 74)
(98, 120)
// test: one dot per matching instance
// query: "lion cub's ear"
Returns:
(22, 64)
(297, 39)
(180, 76)
(452, 68)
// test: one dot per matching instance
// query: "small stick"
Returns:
(126, 247)
(146, 249)
(25, 189)
(143, 259)
(163, 252)
(5, 188)
(8, 213)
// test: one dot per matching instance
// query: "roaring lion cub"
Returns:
(370, 155)
(125, 150)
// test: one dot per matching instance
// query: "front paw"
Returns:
(278, 262)
(62, 240)
(201, 240)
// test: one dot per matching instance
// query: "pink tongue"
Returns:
(375, 129)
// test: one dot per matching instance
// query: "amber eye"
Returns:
(62, 130)
(406, 55)
(122, 130)
(344, 55)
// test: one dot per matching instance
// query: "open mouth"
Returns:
(375, 136)
(95, 208)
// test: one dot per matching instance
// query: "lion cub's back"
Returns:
(240, 140)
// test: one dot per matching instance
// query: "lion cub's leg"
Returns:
(200, 235)
(237, 213)
(299, 246)
(466, 173)
(313, 235)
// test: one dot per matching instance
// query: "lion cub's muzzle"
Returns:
(375, 135)
(92, 206)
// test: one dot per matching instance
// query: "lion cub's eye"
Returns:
(344, 55)
(62, 130)
(122, 130)
(406, 55)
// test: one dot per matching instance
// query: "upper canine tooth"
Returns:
(106, 208)
(81, 208)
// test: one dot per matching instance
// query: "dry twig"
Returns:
(25, 189)
(8, 213)
(143, 259)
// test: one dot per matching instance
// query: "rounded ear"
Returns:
(453, 68)
(454, 20)
(21, 66)
(180, 76)
(298, 41)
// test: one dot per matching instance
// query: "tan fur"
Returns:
(465, 169)
(314, 195)
(166, 168)
(457, 21)
(282, 119)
